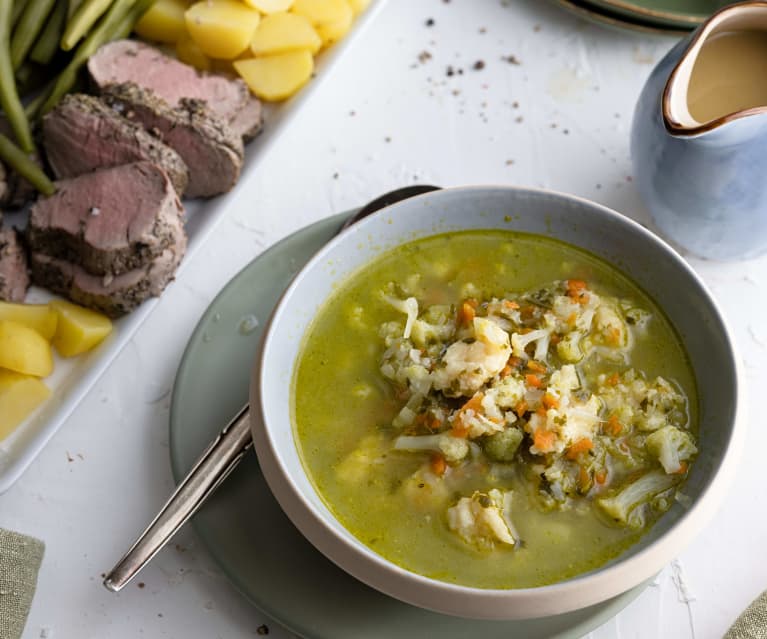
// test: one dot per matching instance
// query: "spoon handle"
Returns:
(213, 466)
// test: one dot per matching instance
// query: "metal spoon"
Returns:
(219, 459)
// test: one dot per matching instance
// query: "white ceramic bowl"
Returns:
(651, 263)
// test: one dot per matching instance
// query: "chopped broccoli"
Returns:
(503, 446)
(671, 447)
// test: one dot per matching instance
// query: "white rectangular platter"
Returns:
(73, 378)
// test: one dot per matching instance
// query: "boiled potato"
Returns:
(358, 6)
(39, 317)
(163, 21)
(222, 28)
(24, 350)
(19, 396)
(189, 52)
(270, 6)
(79, 329)
(331, 18)
(276, 77)
(282, 32)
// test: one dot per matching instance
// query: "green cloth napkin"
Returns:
(20, 558)
(752, 623)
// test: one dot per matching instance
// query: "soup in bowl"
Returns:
(497, 403)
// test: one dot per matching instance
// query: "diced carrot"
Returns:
(549, 401)
(466, 314)
(613, 379)
(438, 464)
(555, 339)
(459, 429)
(581, 446)
(472, 302)
(571, 319)
(514, 362)
(541, 412)
(474, 404)
(435, 423)
(505, 371)
(543, 439)
(575, 285)
(421, 418)
(614, 427)
(533, 380)
(601, 476)
(510, 304)
(614, 337)
(527, 311)
(521, 408)
(682, 468)
(536, 367)
(583, 299)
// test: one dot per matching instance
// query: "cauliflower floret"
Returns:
(481, 519)
(435, 325)
(564, 380)
(565, 425)
(671, 447)
(453, 448)
(425, 490)
(507, 392)
(644, 489)
(646, 405)
(409, 307)
(519, 342)
(610, 328)
(477, 417)
(569, 347)
(465, 367)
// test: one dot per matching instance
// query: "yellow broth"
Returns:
(340, 398)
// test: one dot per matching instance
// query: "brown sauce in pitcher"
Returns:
(729, 75)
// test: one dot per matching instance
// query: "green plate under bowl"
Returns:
(619, 21)
(242, 525)
(689, 13)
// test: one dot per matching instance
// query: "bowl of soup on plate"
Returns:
(498, 403)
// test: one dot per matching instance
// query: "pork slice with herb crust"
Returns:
(14, 275)
(212, 152)
(109, 221)
(83, 134)
(114, 295)
(131, 61)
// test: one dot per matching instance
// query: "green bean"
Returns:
(48, 43)
(19, 161)
(82, 20)
(104, 31)
(18, 9)
(133, 16)
(29, 26)
(9, 96)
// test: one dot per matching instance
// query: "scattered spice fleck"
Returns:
(599, 186)
(515, 105)
(629, 178)
(518, 119)
(479, 65)
(335, 176)
(352, 113)
(387, 139)
(566, 131)
(537, 28)
(553, 125)
(141, 584)
(450, 71)
(456, 92)
(103, 575)
(482, 30)
(424, 57)
(180, 548)
(509, 162)
(70, 459)
(430, 22)
(511, 59)
(263, 629)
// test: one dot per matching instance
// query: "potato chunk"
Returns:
(331, 18)
(39, 317)
(276, 77)
(163, 21)
(222, 28)
(189, 52)
(19, 396)
(283, 32)
(358, 6)
(270, 6)
(79, 329)
(24, 350)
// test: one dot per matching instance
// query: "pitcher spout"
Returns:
(720, 76)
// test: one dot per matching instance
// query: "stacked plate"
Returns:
(665, 16)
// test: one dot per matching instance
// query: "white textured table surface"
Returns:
(390, 115)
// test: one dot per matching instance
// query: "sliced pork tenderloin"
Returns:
(83, 134)
(14, 274)
(124, 61)
(114, 295)
(211, 152)
(109, 221)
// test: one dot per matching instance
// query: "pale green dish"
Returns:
(243, 527)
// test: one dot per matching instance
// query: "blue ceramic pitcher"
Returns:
(699, 139)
